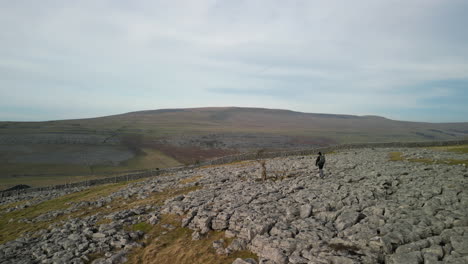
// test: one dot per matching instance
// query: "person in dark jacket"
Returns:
(320, 162)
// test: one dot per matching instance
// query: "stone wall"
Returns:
(116, 179)
(235, 158)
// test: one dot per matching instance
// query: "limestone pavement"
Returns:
(367, 209)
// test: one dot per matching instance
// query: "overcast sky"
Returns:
(405, 60)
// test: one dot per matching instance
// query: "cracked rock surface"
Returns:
(367, 209)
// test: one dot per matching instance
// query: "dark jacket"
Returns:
(319, 162)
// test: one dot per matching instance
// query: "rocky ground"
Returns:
(367, 209)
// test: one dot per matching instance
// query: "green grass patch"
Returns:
(457, 149)
(18, 170)
(11, 230)
(177, 246)
(426, 161)
(150, 160)
(37, 175)
(143, 226)
(121, 204)
(454, 162)
(395, 156)
(38, 181)
(398, 156)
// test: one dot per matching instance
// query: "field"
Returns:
(36, 174)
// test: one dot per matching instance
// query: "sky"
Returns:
(401, 59)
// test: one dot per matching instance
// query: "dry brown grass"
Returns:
(122, 204)
(191, 179)
(395, 156)
(426, 160)
(10, 230)
(177, 246)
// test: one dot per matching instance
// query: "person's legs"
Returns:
(321, 171)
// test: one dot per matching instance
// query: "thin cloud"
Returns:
(348, 57)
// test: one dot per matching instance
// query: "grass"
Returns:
(457, 149)
(191, 179)
(454, 162)
(18, 170)
(143, 226)
(425, 160)
(395, 156)
(52, 174)
(152, 159)
(177, 246)
(398, 156)
(12, 230)
(121, 204)
(37, 181)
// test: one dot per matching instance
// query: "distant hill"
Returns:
(167, 137)
(176, 125)
(339, 128)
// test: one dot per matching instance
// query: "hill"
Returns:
(168, 137)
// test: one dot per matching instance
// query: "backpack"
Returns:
(321, 160)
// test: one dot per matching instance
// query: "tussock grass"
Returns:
(177, 246)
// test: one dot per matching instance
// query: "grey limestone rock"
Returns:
(460, 244)
(347, 218)
(406, 258)
(237, 245)
(196, 235)
(367, 210)
(306, 210)
(244, 261)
